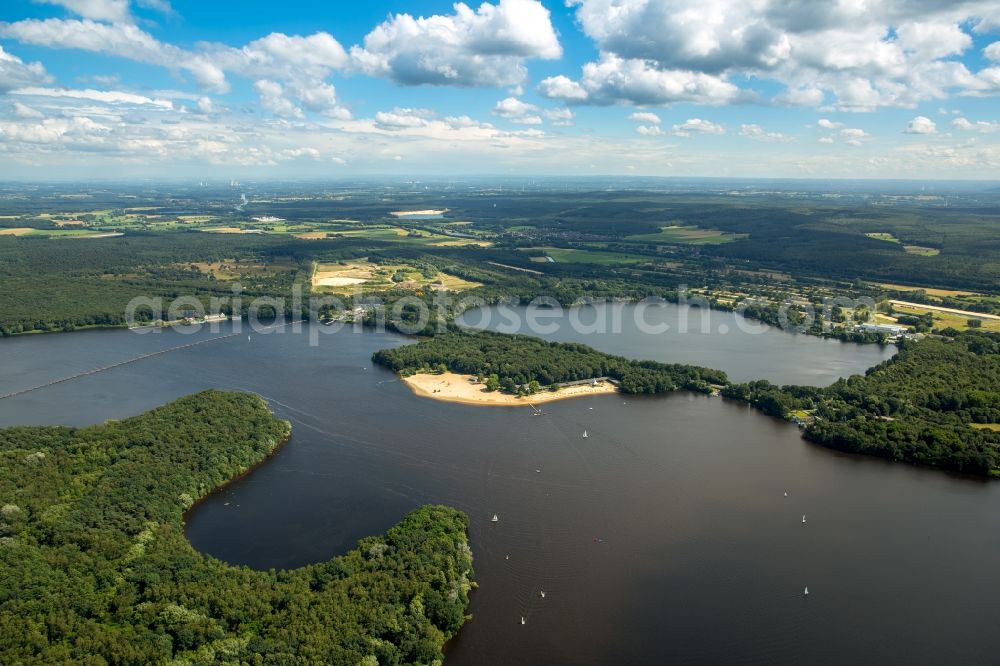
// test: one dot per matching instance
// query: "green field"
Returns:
(883, 236)
(582, 256)
(686, 235)
(921, 251)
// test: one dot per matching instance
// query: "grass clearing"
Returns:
(930, 291)
(686, 235)
(882, 236)
(234, 269)
(921, 250)
(57, 233)
(995, 427)
(579, 256)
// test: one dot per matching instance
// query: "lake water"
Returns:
(745, 349)
(663, 537)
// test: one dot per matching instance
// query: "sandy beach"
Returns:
(452, 387)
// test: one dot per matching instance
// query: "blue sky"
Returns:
(784, 88)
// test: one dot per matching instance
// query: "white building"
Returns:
(888, 329)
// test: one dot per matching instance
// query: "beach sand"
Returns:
(452, 387)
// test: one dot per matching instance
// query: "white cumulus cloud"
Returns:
(482, 47)
(517, 111)
(645, 117)
(921, 125)
(981, 126)
(614, 80)
(860, 54)
(758, 133)
(697, 126)
(15, 73)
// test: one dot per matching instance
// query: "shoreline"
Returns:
(453, 387)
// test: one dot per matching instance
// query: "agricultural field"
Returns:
(55, 233)
(883, 236)
(391, 234)
(930, 291)
(686, 235)
(590, 256)
(942, 320)
(348, 276)
(922, 251)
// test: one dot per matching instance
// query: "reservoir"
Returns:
(747, 350)
(665, 536)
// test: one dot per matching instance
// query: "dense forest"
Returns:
(519, 360)
(64, 284)
(97, 570)
(921, 406)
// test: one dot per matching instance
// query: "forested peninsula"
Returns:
(521, 363)
(97, 569)
(936, 403)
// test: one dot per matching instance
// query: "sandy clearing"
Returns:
(452, 387)
(407, 213)
(337, 281)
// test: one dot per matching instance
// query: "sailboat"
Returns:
(495, 519)
(786, 494)
(806, 593)
(803, 518)
(542, 593)
(522, 620)
(585, 435)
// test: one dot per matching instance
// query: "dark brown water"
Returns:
(663, 537)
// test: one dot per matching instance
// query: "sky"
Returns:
(111, 89)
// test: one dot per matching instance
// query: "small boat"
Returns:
(522, 620)
(248, 338)
(803, 518)
(542, 593)
(508, 556)
(495, 518)
(590, 409)
(585, 435)
(786, 494)
(806, 593)
(538, 471)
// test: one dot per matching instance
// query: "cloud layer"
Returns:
(849, 54)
